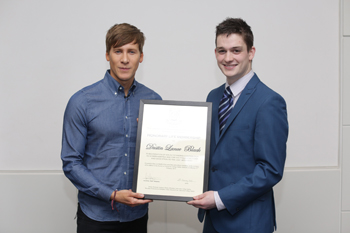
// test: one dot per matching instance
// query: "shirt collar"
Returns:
(238, 86)
(116, 87)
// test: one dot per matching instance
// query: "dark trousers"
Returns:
(87, 225)
(208, 225)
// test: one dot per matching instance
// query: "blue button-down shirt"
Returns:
(98, 146)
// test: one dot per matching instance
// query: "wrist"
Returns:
(113, 198)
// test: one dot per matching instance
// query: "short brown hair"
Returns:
(122, 34)
(236, 26)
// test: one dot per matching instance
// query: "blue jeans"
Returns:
(87, 225)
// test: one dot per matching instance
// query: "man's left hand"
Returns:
(204, 201)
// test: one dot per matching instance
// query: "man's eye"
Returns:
(222, 51)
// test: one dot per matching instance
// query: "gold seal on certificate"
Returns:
(172, 149)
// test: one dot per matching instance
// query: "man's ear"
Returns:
(252, 53)
(141, 57)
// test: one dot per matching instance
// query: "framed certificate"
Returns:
(172, 149)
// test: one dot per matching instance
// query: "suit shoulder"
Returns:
(267, 91)
(215, 92)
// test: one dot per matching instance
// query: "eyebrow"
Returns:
(127, 49)
(234, 47)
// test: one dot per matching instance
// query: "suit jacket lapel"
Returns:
(242, 100)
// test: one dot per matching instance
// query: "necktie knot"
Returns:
(225, 107)
(228, 92)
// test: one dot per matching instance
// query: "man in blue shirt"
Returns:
(99, 139)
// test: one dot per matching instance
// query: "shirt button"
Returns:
(126, 117)
(124, 173)
(126, 135)
(115, 93)
(120, 88)
(126, 154)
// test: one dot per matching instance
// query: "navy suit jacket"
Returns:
(247, 159)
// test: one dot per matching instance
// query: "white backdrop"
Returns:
(51, 49)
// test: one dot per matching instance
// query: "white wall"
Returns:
(51, 49)
(345, 126)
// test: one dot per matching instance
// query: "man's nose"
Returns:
(125, 58)
(229, 56)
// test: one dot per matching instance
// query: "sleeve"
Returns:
(156, 96)
(218, 201)
(269, 148)
(74, 139)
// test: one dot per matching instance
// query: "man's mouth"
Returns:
(230, 66)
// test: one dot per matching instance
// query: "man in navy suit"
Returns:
(248, 141)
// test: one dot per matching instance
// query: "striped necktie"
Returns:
(225, 107)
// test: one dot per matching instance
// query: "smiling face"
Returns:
(124, 62)
(233, 57)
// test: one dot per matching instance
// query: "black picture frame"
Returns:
(138, 155)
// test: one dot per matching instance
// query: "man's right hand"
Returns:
(129, 198)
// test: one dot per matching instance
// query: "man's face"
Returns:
(124, 62)
(232, 56)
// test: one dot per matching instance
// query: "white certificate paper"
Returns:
(172, 154)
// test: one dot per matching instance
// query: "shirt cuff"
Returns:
(105, 193)
(219, 204)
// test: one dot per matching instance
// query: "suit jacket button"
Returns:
(213, 169)
(237, 209)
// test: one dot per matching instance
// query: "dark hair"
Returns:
(122, 34)
(236, 26)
